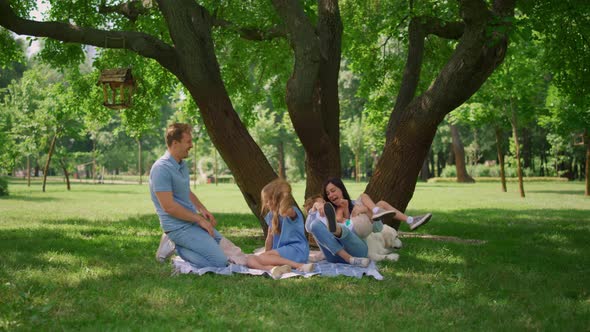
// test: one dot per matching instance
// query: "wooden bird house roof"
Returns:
(119, 75)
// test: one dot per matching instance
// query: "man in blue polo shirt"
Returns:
(182, 215)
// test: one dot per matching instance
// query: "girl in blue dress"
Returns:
(286, 245)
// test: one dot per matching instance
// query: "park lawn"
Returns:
(84, 259)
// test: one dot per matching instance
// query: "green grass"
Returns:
(84, 260)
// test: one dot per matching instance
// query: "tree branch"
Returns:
(419, 28)
(411, 75)
(474, 59)
(440, 28)
(473, 11)
(476, 56)
(132, 9)
(254, 34)
(141, 43)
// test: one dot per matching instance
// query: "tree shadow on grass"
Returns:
(559, 192)
(19, 197)
(532, 261)
(99, 240)
(115, 192)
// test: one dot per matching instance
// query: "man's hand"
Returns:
(208, 216)
(206, 225)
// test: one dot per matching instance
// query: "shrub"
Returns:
(3, 187)
(479, 170)
(449, 171)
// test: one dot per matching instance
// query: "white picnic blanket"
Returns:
(322, 268)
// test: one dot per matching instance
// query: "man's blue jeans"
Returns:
(196, 246)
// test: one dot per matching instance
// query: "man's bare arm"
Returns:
(176, 210)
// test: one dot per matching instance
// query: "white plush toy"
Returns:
(382, 244)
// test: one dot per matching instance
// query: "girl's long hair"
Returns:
(276, 198)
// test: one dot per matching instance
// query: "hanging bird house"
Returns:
(579, 139)
(117, 87)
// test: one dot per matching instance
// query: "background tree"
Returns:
(485, 115)
(354, 136)
(566, 117)
(63, 118)
(564, 32)
(459, 152)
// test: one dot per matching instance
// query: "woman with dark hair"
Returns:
(339, 243)
(335, 192)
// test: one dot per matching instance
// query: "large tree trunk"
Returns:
(49, 154)
(514, 123)
(394, 179)
(195, 64)
(459, 152)
(413, 122)
(498, 131)
(312, 89)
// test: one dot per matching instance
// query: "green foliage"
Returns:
(11, 50)
(545, 44)
(271, 129)
(563, 28)
(564, 115)
(375, 47)
(62, 55)
(3, 186)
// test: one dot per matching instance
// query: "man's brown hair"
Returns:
(174, 132)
